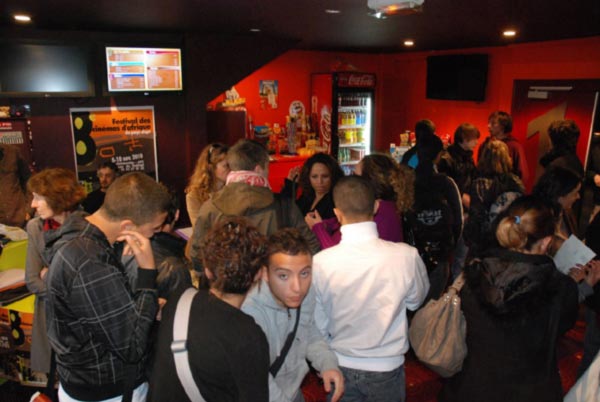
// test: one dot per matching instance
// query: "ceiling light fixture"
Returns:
(392, 7)
(409, 42)
(254, 30)
(509, 33)
(22, 18)
(332, 11)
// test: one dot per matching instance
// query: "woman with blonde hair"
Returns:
(56, 195)
(394, 190)
(516, 304)
(494, 188)
(209, 176)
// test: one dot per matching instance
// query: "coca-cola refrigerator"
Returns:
(343, 105)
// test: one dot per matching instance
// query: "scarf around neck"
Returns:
(249, 177)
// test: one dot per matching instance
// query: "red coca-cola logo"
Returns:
(356, 80)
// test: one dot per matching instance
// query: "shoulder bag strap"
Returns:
(286, 347)
(458, 283)
(179, 345)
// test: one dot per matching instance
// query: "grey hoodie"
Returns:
(277, 322)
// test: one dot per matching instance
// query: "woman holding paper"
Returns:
(516, 304)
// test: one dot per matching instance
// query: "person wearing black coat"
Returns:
(516, 304)
(318, 176)
(564, 135)
(457, 162)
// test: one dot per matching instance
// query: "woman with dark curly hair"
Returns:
(317, 178)
(56, 194)
(210, 175)
(394, 190)
(227, 351)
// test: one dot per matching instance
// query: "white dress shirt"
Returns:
(363, 287)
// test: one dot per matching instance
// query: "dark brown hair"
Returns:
(331, 164)
(391, 181)
(135, 196)
(59, 187)
(564, 135)
(466, 132)
(556, 182)
(287, 241)
(354, 196)
(503, 119)
(233, 251)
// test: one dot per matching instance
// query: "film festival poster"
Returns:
(125, 136)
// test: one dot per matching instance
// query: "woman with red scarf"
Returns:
(56, 194)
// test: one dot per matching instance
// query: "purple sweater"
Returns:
(389, 226)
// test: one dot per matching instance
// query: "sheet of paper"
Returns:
(571, 253)
(185, 233)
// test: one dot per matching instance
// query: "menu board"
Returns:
(143, 69)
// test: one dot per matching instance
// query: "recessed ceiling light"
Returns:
(22, 18)
(509, 33)
(332, 11)
(254, 30)
(409, 42)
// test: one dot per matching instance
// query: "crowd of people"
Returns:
(323, 276)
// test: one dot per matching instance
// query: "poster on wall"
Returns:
(268, 91)
(125, 136)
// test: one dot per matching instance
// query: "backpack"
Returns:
(430, 230)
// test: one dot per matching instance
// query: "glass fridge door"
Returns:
(354, 128)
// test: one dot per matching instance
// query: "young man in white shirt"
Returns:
(363, 287)
(282, 302)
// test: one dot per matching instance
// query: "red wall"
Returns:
(292, 70)
(567, 59)
(401, 79)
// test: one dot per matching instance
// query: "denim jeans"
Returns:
(373, 386)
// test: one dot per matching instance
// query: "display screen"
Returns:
(457, 77)
(45, 70)
(143, 69)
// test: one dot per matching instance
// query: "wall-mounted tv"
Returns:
(457, 77)
(43, 69)
(143, 69)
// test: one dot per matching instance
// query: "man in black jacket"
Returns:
(97, 326)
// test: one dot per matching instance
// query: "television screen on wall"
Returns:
(143, 69)
(41, 69)
(457, 77)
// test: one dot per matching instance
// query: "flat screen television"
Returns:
(143, 69)
(42, 70)
(457, 77)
